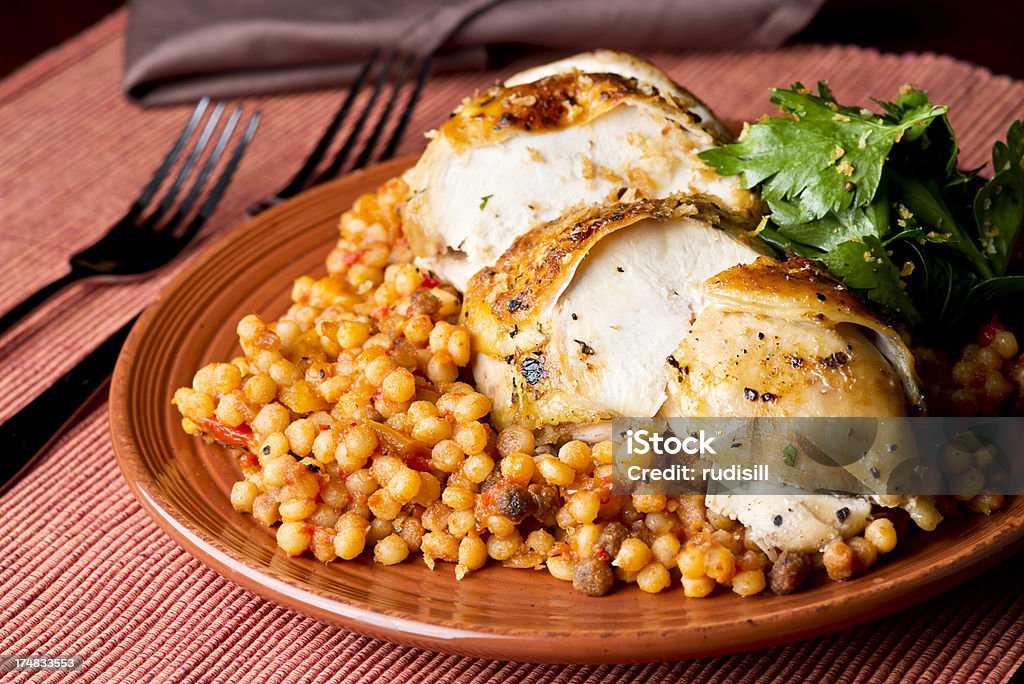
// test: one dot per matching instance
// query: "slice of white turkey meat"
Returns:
(812, 346)
(784, 339)
(521, 155)
(793, 522)
(575, 322)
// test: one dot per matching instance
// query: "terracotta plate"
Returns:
(496, 612)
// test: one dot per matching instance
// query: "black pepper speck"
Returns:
(532, 370)
(835, 360)
(585, 348)
(750, 394)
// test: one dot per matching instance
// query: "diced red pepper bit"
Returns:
(429, 281)
(486, 502)
(352, 257)
(600, 554)
(418, 461)
(248, 460)
(240, 436)
(989, 331)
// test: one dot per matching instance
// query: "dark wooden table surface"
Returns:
(986, 32)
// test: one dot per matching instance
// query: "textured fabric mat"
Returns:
(85, 571)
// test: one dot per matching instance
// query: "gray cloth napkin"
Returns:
(179, 50)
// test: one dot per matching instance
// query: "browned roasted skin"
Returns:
(793, 288)
(784, 338)
(552, 103)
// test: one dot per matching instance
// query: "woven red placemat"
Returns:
(85, 571)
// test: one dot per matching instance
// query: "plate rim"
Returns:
(1006, 535)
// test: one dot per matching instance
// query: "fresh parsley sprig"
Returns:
(878, 199)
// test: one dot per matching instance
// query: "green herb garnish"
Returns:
(483, 201)
(877, 198)
(789, 455)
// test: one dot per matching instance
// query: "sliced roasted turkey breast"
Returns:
(794, 522)
(575, 322)
(520, 155)
(784, 339)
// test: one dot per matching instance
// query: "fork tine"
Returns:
(130, 246)
(190, 161)
(410, 105)
(298, 183)
(385, 115)
(204, 173)
(172, 156)
(217, 191)
(346, 149)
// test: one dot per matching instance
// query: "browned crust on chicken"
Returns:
(797, 284)
(649, 74)
(552, 103)
(799, 291)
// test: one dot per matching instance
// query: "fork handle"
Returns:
(28, 433)
(36, 298)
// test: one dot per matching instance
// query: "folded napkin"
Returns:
(179, 50)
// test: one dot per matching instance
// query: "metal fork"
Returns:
(139, 243)
(29, 432)
(395, 68)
